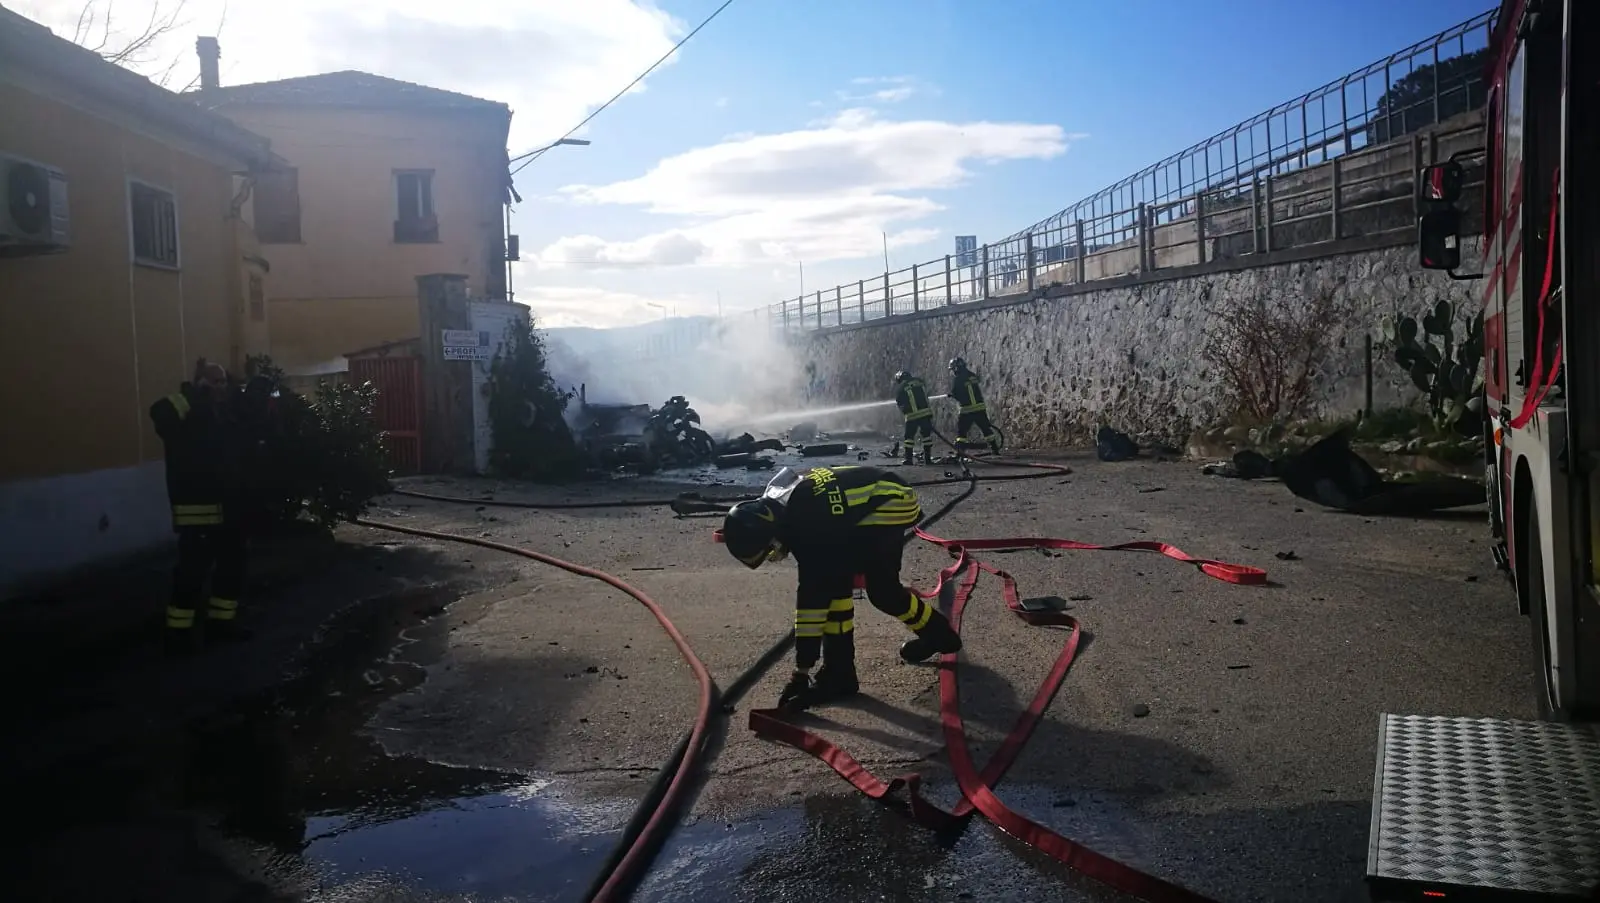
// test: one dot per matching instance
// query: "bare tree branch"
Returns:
(96, 31)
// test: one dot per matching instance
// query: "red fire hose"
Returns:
(977, 786)
(658, 822)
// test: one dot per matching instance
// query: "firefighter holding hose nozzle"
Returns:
(838, 523)
(974, 411)
(911, 397)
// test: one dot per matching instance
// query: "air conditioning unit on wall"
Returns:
(33, 208)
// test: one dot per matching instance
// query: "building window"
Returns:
(414, 219)
(153, 215)
(277, 200)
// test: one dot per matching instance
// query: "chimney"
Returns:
(210, 54)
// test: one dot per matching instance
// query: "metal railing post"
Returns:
(786, 316)
(1333, 200)
(861, 300)
(1200, 227)
(1266, 215)
(1255, 214)
(1145, 242)
(1077, 233)
(1027, 250)
(916, 290)
(819, 308)
(947, 295)
(888, 296)
(983, 262)
(838, 303)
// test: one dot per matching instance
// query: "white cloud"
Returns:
(827, 192)
(884, 89)
(552, 60)
(558, 306)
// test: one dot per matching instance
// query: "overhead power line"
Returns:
(534, 155)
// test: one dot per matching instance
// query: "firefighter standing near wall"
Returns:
(838, 523)
(198, 427)
(974, 412)
(911, 397)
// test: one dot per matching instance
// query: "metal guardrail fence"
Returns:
(1298, 174)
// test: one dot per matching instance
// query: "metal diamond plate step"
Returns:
(1486, 803)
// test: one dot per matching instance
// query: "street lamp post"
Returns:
(511, 183)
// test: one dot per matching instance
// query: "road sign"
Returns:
(966, 250)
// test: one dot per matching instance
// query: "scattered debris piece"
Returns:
(1140, 710)
(1286, 556)
(1111, 445)
(1148, 489)
(1237, 667)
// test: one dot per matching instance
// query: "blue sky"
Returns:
(788, 131)
(1140, 79)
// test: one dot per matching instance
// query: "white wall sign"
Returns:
(465, 344)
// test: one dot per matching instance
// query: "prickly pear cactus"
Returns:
(1446, 372)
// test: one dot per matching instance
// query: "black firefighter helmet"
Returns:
(750, 531)
(958, 365)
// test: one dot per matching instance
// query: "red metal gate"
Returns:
(399, 384)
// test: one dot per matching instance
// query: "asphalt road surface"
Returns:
(1222, 737)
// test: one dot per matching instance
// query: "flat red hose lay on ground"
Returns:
(691, 760)
(977, 787)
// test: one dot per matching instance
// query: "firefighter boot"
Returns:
(836, 679)
(907, 460)
(927, 455)
(935, 638)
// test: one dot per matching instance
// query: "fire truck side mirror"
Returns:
(1439, 239)
(1441, 182)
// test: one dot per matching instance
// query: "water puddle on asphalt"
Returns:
(289, 798)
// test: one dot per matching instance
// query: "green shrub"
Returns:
(326, 458)
(526, 408)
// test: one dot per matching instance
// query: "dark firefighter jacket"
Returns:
(831, 504)
(826, 522)
(211, 455)
(912, 399)
(965, 390)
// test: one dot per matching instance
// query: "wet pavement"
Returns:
(480, 734)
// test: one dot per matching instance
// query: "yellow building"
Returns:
(389, 181)
(124, 256)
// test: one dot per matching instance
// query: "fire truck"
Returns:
(1488, 808)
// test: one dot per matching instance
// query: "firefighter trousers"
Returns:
(980, 419)
(215, 554)
(919, 432)
(875, 554)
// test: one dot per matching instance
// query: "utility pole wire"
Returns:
(534, 155)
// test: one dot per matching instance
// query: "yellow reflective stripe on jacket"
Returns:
(179, 404)
(912, 389)
(896, 504)
(973, 404)
(180, 618)
(919, 415)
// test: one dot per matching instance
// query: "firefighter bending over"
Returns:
(202, 457)
(974, 412)
(837, 522)
(911, 397)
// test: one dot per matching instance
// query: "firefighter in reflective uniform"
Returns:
(974, 412)
(911, 397)
(193, 424)
(837, 523)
